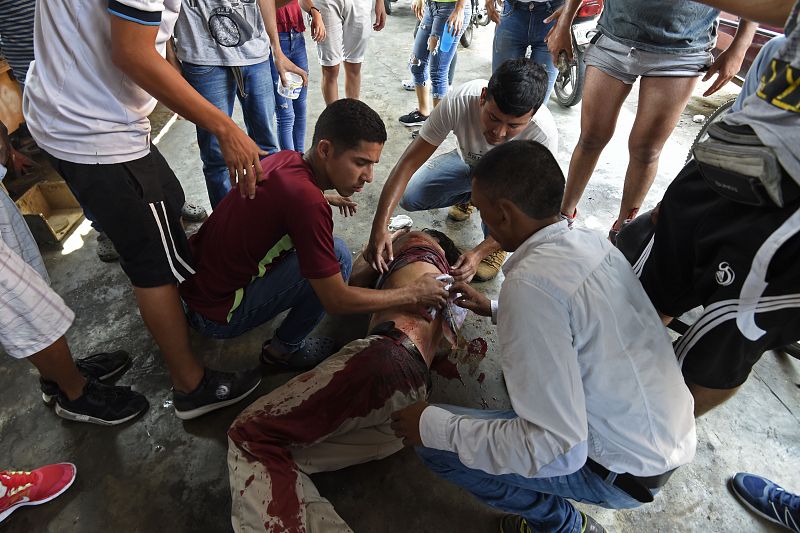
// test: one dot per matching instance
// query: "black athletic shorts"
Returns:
(138, 205)
(740, 262)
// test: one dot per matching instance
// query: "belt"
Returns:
(388, 329)
(532, 6)
(637, 487)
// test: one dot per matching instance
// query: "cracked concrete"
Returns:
(162, 474)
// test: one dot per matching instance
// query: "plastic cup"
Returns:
(295, 82)
(448, 38)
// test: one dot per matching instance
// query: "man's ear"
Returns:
(508, 210)
(483, 96)
(325, 149)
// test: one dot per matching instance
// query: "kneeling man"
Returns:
(600, 411)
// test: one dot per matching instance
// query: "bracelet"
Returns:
(313, 8)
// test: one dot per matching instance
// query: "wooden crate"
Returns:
(51, 211)
(10, 99)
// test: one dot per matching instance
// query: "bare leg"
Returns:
(602, 100)
(661, 102)
(330, 84)
(706, 399)
(352, 80)
(423, 99)
(55, 364)
(162, 314)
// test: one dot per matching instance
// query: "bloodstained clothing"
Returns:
(244, 238)
(331, 417)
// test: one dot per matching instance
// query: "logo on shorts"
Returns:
(725, 274)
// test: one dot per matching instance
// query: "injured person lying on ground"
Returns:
(338, 414)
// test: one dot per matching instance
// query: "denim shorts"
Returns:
(626, 63)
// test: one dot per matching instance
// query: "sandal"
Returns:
(311, 352)
(193, 213)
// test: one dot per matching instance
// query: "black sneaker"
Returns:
(102, 404)
(100, 366)
(216, 390)
(415, 118)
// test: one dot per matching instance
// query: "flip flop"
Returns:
(311, 352)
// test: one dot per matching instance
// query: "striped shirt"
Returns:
(16, 35)
(32, 315)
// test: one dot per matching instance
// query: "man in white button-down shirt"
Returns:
(600, 411)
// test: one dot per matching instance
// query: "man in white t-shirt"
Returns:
(481, 115)
(99, 67)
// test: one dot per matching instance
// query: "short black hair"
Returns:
(524, 172)
(451, 251)
(518, 86)
(347, 122)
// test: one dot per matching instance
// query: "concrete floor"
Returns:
(161, 474)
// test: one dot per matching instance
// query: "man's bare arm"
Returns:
(773, 12)
(133, 52)
(380, 242)
(340, 299)
(560, 35)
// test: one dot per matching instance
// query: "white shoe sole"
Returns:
(200, 411)
(79, 417)
(13, 508)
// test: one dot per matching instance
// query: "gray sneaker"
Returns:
(216, 390)
(105, 249)
(193, 213)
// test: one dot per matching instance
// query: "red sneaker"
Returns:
(18, 489)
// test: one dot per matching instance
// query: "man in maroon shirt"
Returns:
(259, 257)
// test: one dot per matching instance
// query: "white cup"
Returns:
(295, 82)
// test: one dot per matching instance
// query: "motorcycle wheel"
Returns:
(712, 118)
(388, 5)
(569, 89)
(466, 37)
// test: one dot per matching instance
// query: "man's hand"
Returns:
(418, 8)
(378, 252)
(405, 423)
(380, 15)
(725, 67)
(465, 266)
(317, 26)
(347, 207)
(242, 156)
(491, 10)
(559, 37)
(471, 299)
(429, 291)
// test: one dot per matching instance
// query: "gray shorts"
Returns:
(626, 63)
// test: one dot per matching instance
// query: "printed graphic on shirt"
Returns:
(780, 86)
(232, 23)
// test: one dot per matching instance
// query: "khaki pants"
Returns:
(331, 417)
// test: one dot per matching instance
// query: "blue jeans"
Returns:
(522, 25)
(441, 182)
(291, 114)
(219, 86)
(435, 63)
(542, 501)
(282, 287)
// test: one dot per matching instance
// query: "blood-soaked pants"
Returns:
(331, 417)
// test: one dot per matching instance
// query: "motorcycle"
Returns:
(571, 74)
(480, 17)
